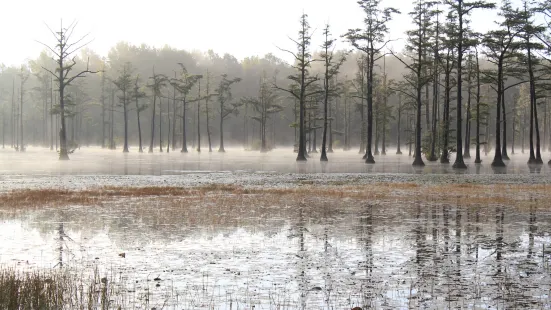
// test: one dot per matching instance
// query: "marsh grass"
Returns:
(55, 289)
(465, 194)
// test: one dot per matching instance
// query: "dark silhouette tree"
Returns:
(530, 30)
(462, 9)
(500, 46)
(417, 45)
(371, 40)
(301, 79)
(331, 67)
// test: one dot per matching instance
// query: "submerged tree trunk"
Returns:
(498, 160)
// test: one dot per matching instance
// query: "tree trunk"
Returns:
(184, 132)
(125, 149)
(221, 149)
(459, 164)
(199, 119)
(174, 117)
(153, 124)
(444, 156)
(160, 125)
(21, 145)
(369, 158)
(140, 147)
(498, 160)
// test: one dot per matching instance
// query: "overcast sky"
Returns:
(239, 27)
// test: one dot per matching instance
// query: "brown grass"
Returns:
(440, 193)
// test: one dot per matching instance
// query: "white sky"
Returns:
(240, 27)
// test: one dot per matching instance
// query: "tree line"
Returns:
(449, 90)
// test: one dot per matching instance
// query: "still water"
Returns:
(97, 161)
(236, 253)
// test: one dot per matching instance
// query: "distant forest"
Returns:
(450, 90)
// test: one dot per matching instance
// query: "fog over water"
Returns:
(97, 161)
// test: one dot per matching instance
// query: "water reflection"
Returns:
(308, 254)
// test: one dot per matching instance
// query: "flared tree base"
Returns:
(63, 155)
(369, 159)
(459, 165)
(498, 162)
(418, 162)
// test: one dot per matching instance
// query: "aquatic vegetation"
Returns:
(220, 246)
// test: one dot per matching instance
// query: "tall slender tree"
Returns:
(157, 83)
(331, 67)
(500, 45)
(136, 95)
(301, 80)
(462, 9)
(417, 77)
(23, 78)
(371, 40)
(226, 106)
(183, 85)
(63, 50)
(124, 85)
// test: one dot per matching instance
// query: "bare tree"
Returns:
(63, 51)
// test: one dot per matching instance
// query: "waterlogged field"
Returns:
(244, 230)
